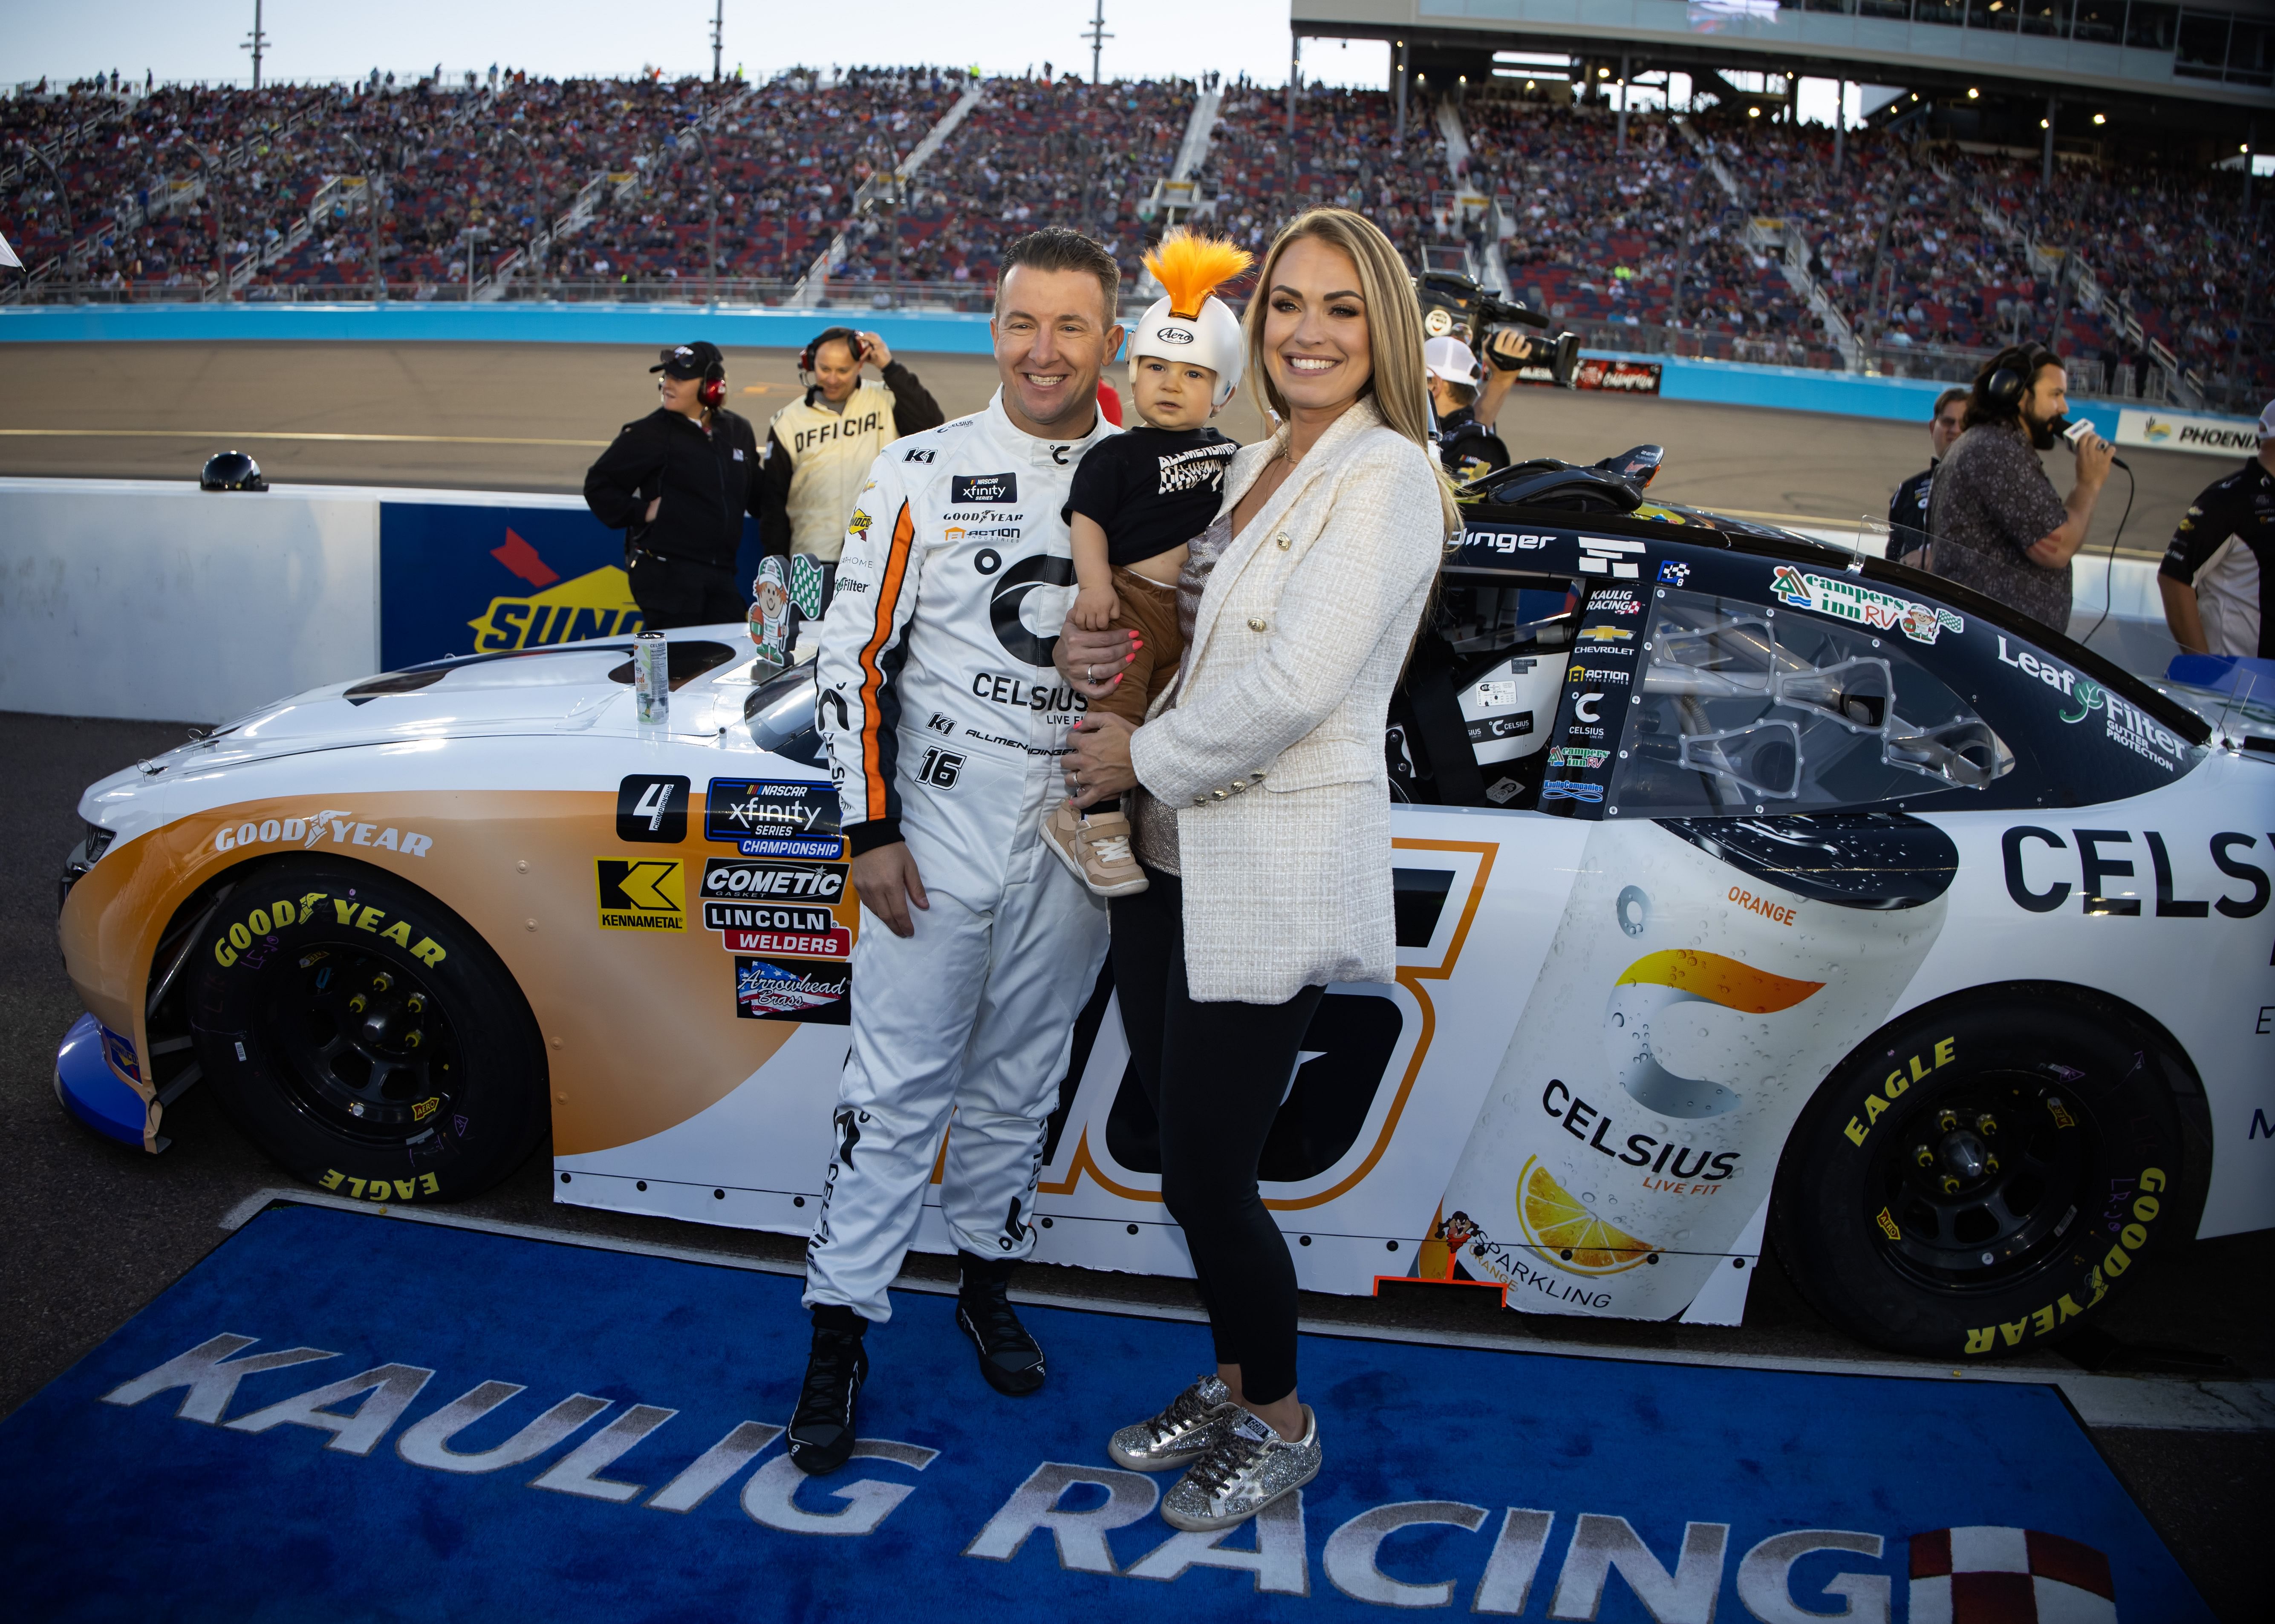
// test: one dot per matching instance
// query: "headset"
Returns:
(2005, 385)
(845, 336)
(713, 393)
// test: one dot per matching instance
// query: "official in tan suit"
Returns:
(1263, 813)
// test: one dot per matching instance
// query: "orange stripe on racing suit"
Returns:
(872, 680)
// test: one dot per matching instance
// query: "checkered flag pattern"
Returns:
(2008, 1576)
(805, 584)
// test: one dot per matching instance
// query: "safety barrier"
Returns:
(154, 599)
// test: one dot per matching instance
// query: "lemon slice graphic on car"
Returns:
(1565, 1233)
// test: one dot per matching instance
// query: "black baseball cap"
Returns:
(690, 360)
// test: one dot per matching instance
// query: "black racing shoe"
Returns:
(821, 1432)
(1010, 1359)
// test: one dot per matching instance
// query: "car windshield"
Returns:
(1743, 708)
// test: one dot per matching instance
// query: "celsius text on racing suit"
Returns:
(945, 723)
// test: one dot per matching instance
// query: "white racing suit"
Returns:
(945, 723)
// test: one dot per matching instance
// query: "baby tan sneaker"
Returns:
(1095, 845)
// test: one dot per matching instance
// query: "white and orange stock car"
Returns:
(1743, 883)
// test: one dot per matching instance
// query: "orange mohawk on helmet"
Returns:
(1190, 269)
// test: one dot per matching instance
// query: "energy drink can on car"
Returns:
(651, 678)
(1707, 974)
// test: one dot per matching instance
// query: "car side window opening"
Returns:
(1742, 709)
(1481, 687)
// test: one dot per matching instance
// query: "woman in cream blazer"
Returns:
(1263, 815)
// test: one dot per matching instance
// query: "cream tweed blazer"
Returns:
(1301, 635)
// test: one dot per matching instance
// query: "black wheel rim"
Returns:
(362, 1042)
(1978, 1184)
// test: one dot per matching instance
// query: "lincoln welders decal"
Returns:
(789, 989)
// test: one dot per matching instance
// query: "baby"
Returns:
(1137, 499)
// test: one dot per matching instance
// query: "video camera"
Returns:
(1454, 304)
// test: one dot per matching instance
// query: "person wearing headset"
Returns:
(678, 483)
(1999, 525)
(818, 448)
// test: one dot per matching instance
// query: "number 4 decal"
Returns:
(939, 769)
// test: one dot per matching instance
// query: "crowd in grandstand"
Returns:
(563, 185)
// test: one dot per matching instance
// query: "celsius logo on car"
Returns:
(984, 488)
(1003, 610)
(1583, 706)
(815, 882)
(334, 824)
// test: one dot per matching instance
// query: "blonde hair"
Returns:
(1399, 382)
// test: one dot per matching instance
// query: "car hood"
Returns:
(572, 687)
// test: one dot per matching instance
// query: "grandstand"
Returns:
(1704, 229)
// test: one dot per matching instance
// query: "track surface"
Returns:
(97, 1230)
(156, 410)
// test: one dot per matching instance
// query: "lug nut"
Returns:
(1986, 1123)
(380, 984)
(1991, 1162)
(1946, 1121)
(1950, 1185)
(356, 1004)
(410, 1040)
(413, 1004)
(1923, 1156)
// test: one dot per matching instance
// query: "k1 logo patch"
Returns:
(652, 810)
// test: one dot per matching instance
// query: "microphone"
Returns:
(2076, 434)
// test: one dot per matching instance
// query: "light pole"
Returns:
(1097, 36)
(472, 235)
(711, 206)
(257, 42)
(370, 203)
(718, 36)
(63, 196)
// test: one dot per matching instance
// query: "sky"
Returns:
(330, 40)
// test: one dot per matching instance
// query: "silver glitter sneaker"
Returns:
(1180, 1435)
(1250, 1467)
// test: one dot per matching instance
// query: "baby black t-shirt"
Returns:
(1151, 489)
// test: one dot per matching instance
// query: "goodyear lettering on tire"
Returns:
(2045, 1320)
(258, 928)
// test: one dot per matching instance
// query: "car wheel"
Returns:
(364, 1035)
(1986, 1171)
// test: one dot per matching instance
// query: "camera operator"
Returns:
(1997, 524)
(818, 448)
(1908, 536)
(678, 483)
(1467, 445)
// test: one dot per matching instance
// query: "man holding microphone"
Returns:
(1998, 525)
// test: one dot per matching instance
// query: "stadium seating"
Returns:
(597, 187)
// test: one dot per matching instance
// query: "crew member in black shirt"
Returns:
(678, 483)
(2241, 507)
(1466, 447)
(1908, 537)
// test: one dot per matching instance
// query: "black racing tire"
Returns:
(1984, 1174)
(364, 1036)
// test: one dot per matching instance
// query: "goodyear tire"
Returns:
(1982, 1174)
(364, 1035)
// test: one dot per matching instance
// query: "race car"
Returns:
(1742, 882)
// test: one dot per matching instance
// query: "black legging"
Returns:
(1215, 1073)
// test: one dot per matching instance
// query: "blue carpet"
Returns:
(1599, 1488)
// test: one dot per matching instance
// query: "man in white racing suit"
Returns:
(945, 723)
